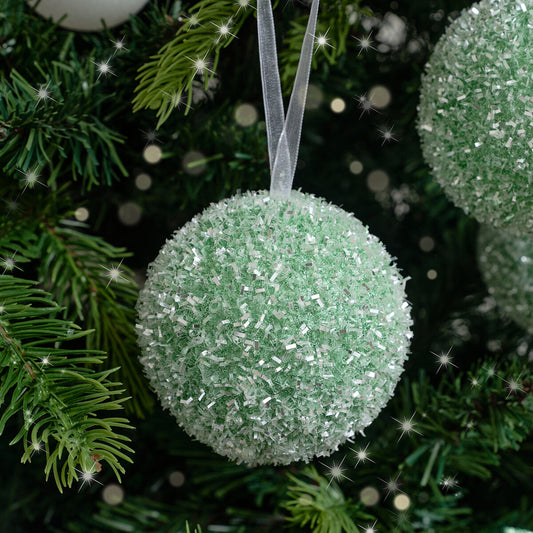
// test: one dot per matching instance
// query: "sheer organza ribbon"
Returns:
(283, 134)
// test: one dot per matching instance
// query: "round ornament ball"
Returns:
(476, 113)
(506, 265)
(273, 330)
(87, 15)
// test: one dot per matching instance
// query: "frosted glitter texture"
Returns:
(272, 329)
(506, 264)
(476, 113)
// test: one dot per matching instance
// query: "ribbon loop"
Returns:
(283, 134)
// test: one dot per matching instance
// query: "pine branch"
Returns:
(469, 420)
(168, 80)
(235, 159)
(86, 276)
(320, 505)
(454, 433)
(333, 26)
(331, 38)
(58, 396)
(18, 244)
(55, 125)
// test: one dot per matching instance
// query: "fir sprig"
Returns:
(18, 244)
(331, 38)
(88, 279)
(316, 503)
(56, 125)
(168, 80)
(86, 276)
(466, 432)
(57, 395)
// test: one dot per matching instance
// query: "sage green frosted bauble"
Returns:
(273, 330)
(476, 113)
(506, 264)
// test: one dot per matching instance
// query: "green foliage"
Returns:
(86, 276)
(135, 515)
(169, 80)
(53, 390)
(56, 124)
(319, 505)
(466, 433)
(172, 75)
(478, 434)
(333, 23)
(18, 243)
(235, 158)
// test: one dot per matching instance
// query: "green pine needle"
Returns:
(189, 61)
(54, 127)
(320, 505)
(86, 276)
(52, 390)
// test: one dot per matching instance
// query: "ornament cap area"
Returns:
(87, 15)
(273, 330)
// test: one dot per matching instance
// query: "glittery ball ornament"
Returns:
(476, 113)
(506, 264)
(87, 15)
(273, 330)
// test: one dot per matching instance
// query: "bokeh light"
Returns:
(379, 96)
(113, 494)
(401, 502)
(143, 181)
(315, 97)
(338, 105)
(129, 213)
(392, 32)
(432, 274)
(369, 496)
(377, 180)
(246, 115)
(356, 167)
(426, 243)
(193, 163)
(176, 479)
(81, 214)
(152, 154)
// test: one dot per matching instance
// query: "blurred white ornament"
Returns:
(87, 15)
(506, 264)
(392, 31)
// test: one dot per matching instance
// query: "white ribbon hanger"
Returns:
(283, 134)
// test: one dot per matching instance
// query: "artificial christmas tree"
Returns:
(111, 140)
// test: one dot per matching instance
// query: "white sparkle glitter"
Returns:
(406, 425)
(444, 360)
(362, 455)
